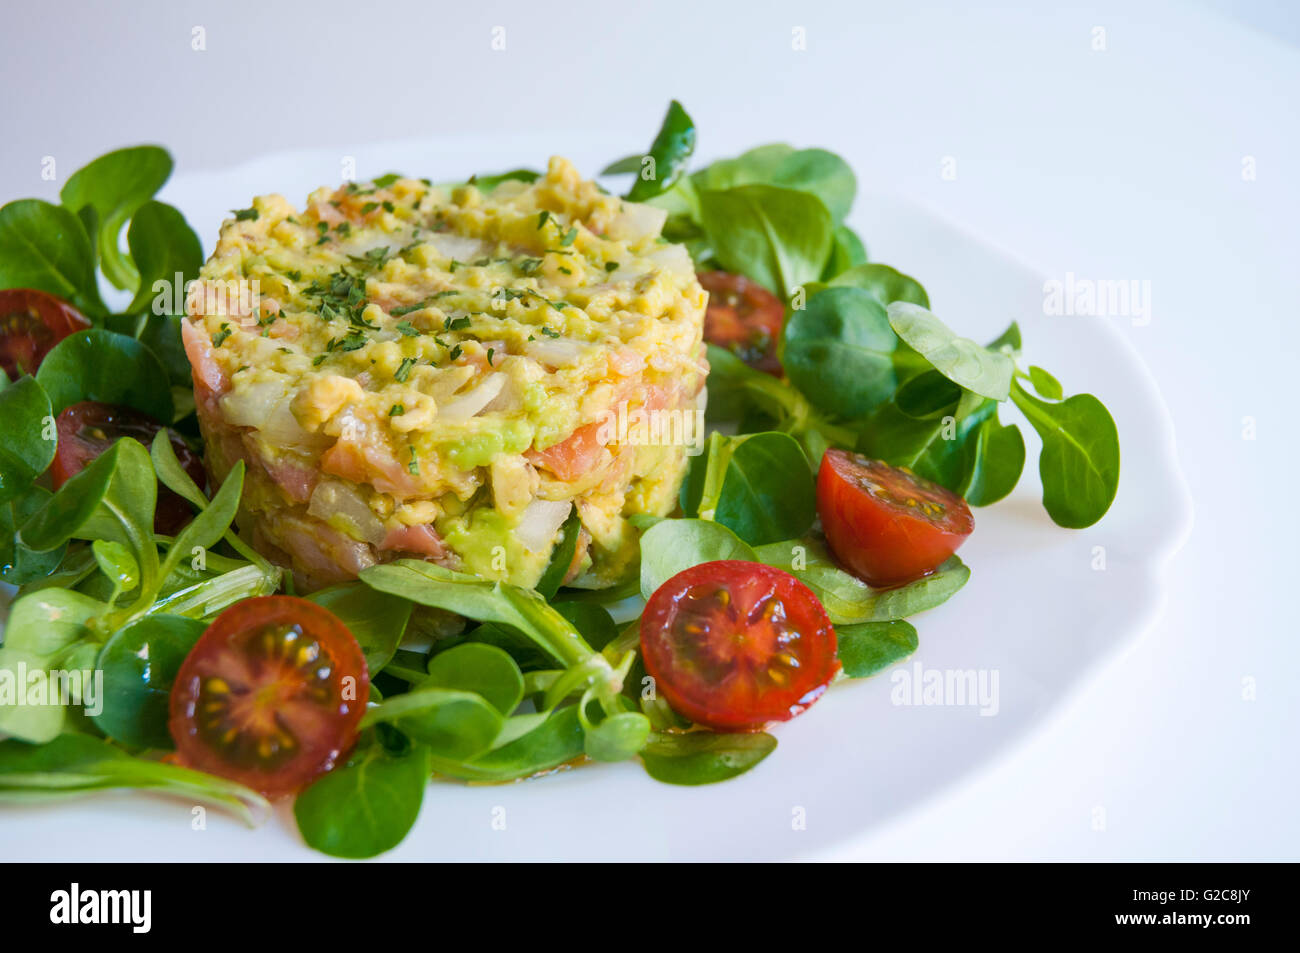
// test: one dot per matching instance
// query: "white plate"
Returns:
(1036, 612)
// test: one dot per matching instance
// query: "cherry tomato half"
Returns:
(270, 696)
(31, 323)
(88, 428)
(885, 524)
(743, 317)
(734, 645)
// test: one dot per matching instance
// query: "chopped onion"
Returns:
(250, 404)
(540, 521)
(555, 352)
(333, 501)
(636, 221)
(674, 258)
(459, 247)
(471, 402)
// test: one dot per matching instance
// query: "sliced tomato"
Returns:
(31, 323)
(88, 428)
(885, 524)
(270, 696)
(734, 645)
(743, 317)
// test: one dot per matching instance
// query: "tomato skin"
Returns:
(278, 696)
(743, 317)
(88, 428)
(31, 323)
(735, 645)
(874, 531)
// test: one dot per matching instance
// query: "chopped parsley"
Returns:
(396, 410)
(352, 341)
(611, 266)
(404, 370)
(456, 324)
(414, 465)
(224, 333)
(408, 329)
(369, 207)
(491, 351)
(455, 352)
(246, 214)
(529, 266)
(549, 333)
(569, 236)
(543, 218)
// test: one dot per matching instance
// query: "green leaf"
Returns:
(116, 562)
(376, 620)
(593, 621)
(43, 629)
(971, 365)
(101, 365)
(932, 439)
(779, 237)
(1008, 342)
(847, 252)
(457, 725)
(618, 737)
(847, 599)
(171, 474)
(867, 647)
(112, 498)
(482, 669)
(162, 245)
(29, 440)
(815, 171)
(210, 524)
(115, 186)
(484, 601)
(757, 485)
(140, 663)
(72, 765)
(365, 807)
(671, 546)
(486, 183)
(671, 151)
(624, 166)
(161, 334)
(1079, 464)
(1046, 385)
(701, 757)
(839, 351)
(995, 458)
(558, 739)
(561, 556)
(45, 247)
(19, 564)
(886, 284)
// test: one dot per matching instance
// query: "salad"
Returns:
(152, 641)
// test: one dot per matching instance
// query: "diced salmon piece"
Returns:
(422, 539)
(573, 456)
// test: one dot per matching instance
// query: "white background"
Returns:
(1122, 163)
